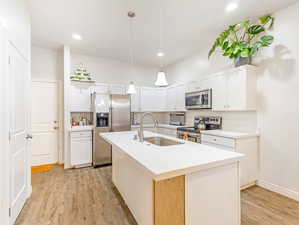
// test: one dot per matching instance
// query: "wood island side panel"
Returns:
(169, 201)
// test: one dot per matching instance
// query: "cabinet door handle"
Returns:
(29, 136)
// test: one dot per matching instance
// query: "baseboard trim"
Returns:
(43, 168)
(29, 191)
(279, 189)
(248, 185)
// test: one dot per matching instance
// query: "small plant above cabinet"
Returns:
(235, 89)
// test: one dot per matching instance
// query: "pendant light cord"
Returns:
(160, 32)
(131, 42)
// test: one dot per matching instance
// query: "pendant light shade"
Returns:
(161, 76)
(161, 79)
(131, 89)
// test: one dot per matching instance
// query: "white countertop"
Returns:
(81, 128)
(229, 134)
(159, 125)
(170, 161)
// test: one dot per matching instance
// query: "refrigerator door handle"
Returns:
(110, 115)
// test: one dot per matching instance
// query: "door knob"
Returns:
(29, 136)
(56, 128)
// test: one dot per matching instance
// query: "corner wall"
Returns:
(277, 118)
(111, 71)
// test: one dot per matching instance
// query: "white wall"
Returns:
(196, 67)
(278, 95)
(14, 15)
(46, 64)
(279, 105)
(112, 71)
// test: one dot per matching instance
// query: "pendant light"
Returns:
(161, 76)
(131, 89)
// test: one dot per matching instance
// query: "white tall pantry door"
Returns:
(45, 123)
(19, 123)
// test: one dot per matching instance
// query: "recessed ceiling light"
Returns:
(160, 54)
(231, 7)
(77, 37)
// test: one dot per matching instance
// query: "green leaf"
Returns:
(224, 45)
(212, 50)
(266, 40)
(237, 50)
(245, 53)
(244, 23)
(267, 19)
(255, 29)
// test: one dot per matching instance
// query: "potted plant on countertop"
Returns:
(243, 40)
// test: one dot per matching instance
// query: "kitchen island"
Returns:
(181, 184)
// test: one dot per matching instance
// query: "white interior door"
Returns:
(45, 123)
(19, 122)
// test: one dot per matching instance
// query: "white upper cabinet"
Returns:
(175, 98)
(80, 99)
(171, 94)
(135, 101)
(206, 83)
(193, 86)
(160, 99)
(219, 101)
(235, 89)
(118, 89)
(180, 97)
(101, 88)
(153, 99)
(102, 103)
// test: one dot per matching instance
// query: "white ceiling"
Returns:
(189, 25)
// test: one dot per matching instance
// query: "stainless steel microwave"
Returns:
(199, 99)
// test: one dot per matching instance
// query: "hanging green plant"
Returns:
(244, 39)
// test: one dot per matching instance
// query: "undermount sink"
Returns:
(161, 141)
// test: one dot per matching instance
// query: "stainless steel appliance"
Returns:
(193, 133)
(111, 113)
(199, 99)
(177, 118)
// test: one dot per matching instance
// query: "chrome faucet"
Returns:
(140, 131)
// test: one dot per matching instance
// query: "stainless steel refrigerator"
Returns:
(112, 113)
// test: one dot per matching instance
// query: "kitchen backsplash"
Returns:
(233, 121)
(77, 116)
(161, 117)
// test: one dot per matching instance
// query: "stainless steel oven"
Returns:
(199, 99)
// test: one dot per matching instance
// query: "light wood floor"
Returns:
(88, 197)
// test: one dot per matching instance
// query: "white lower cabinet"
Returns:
(134, 185)
(246, 146)
(81, 148)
